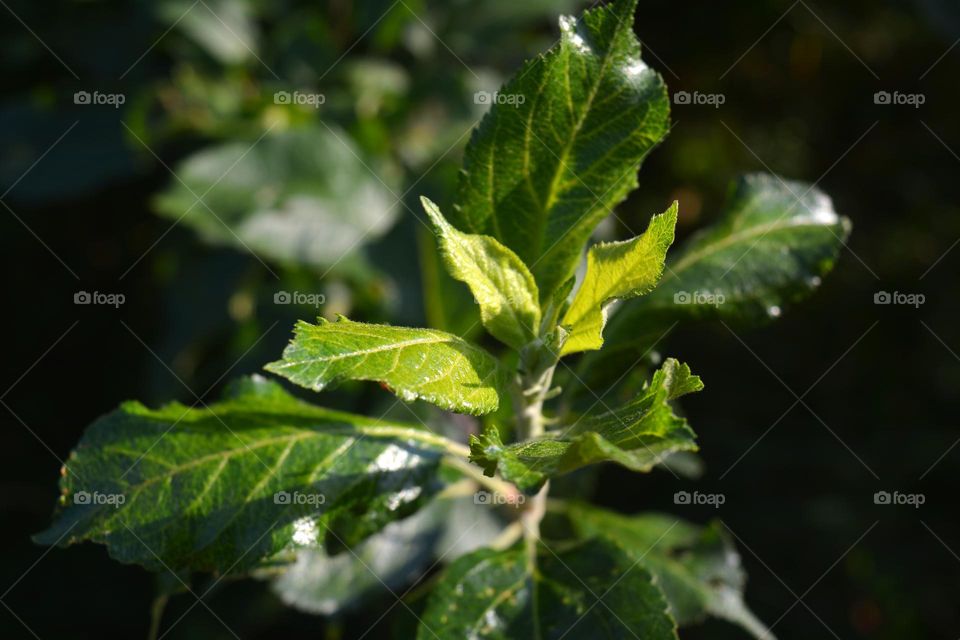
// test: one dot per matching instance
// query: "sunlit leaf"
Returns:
(561, 146)
(500, 282)
(615, 271)
(424, 364)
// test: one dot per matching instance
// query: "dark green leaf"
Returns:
(638, 435)
(427, 364)
(221, 487)
(768, 249)
(540, 175)
(445, 529)
(587, 592)
(697, 567)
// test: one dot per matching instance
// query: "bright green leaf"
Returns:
(500, 282)
(768, 249)
(221, 487)
(563, 146)
(697, 568)
(425, 364)
(497, 595)
(638, 435)
(302, 196)
(617, 270)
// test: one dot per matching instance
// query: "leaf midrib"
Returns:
(684, 262)
(384, 431)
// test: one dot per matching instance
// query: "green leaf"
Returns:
(321, 583)
(617, 270)
(301, 196)
(697, 568)
(427, 364)
(767, 250)
(226, 29)
(585, 592)
(539, 176)
(500, 282)
(638, 435)
(221, 487)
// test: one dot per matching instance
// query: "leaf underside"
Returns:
(301, 196)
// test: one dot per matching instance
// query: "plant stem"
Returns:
(473, 472)
(156, 615)
(534, 384)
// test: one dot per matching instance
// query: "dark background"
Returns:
(880, 410)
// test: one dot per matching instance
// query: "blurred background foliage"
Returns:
(204, 195)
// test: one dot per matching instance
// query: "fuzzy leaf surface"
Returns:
(541, 173)
(615, 271)
(424, 364)
(216, 488)
(637, 435)
(500, 282)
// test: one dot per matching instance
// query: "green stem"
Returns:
(156, 615)
(473, 472)
(413, 433)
